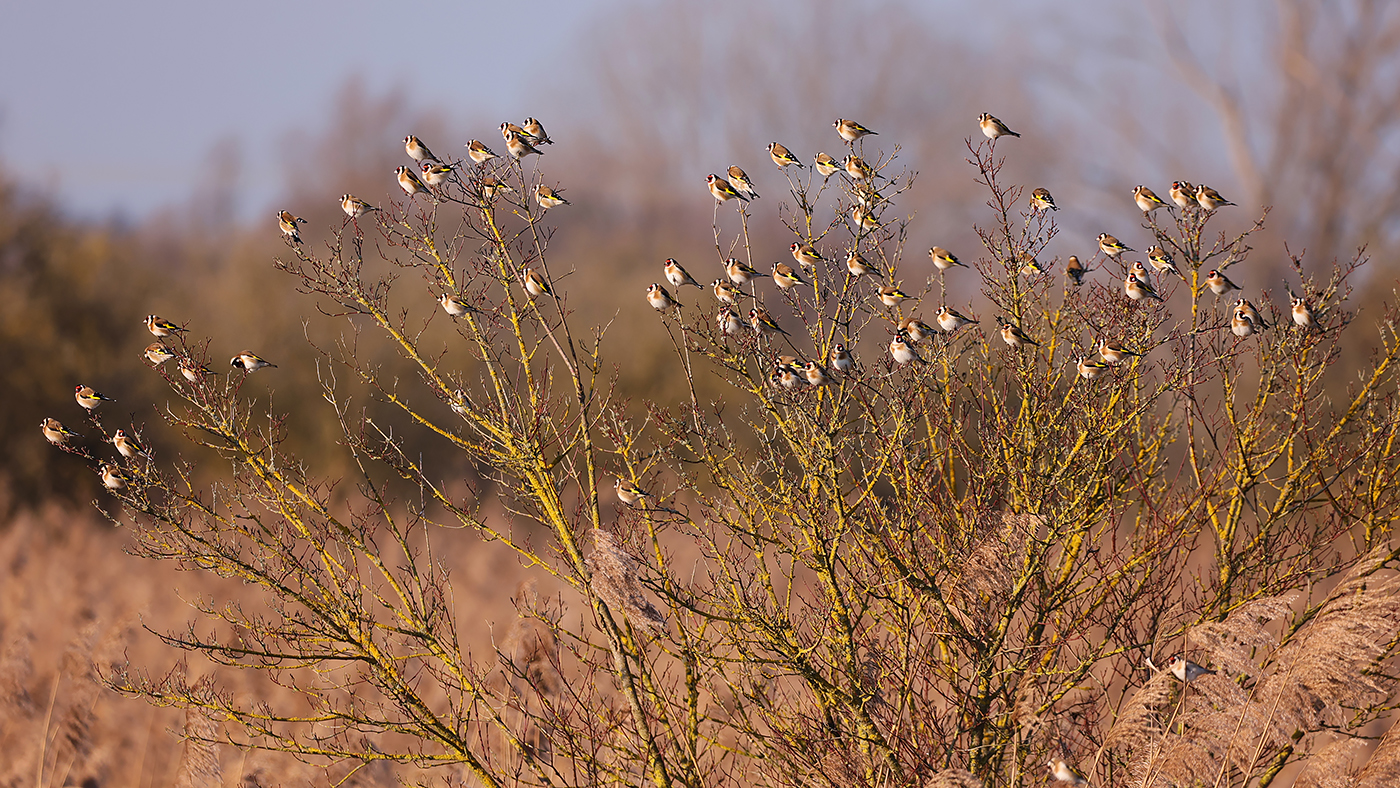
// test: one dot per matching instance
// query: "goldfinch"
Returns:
(250, 361)
(479, 153)
(816, 376)
(1112, 246)
(762, 323)
(128, 446)
(1031, 267)
(892, 296)
(727, 293)
(1185, 670)
(1075, 270)
(490, 187)
(535, 283)
(454, 306)
(460, 405)
(739, 272)
(1064, 773)
(1115, 352)
(536, 132)
(826, 165)
(289, 223)
(722, 190)
(678, 276)
(806, 255)
(157, 354)
(851, 131)
(56, 433)
(436, 175)
(629, 493)
(519, 148)
(915, 329)
(409, 182)
(1162, 261)
(857, 168)
(1014, 336)
(1089, 370)
(944, 259)
(548, 198)
(89, 398)
(863, 218)
(1137, 289)
(1302, 313)
(728, 321)
(900, 350)
(782, 157)
(741, 183)
(1183, 193)
(1146, 200)
(841, 359)
(113, 477)
(1245, 306)
(993, 128)
(1209, 198)
(858, 266)
(951, 320)
(354, 207)
(1241, 324)
(193, 372)
(785, 376)
(415, 148)
(659, 298)
(1220, 284)
(1042, 201)
(508, 128)
(785, 276)
(162, 328)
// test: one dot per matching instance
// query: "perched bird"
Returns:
(89, 398)
(722, 190)
(727, 293)
(157, 354)
(785, 276)
(1185, 670)
(785, 375)
(1075, 270)
(535, 283)
(536, 132)
(993, 128)
(863, 218)
(1042, 201)
(1115, 352)
(858, 266)
(113, 477)
(508, 128)
(1014, 336)
(1245, 306)
(454, 305)
(741, 183)
(436, 175)
(1209, 198)
(892, 296)
(857, 168)
(951, 320)
(659, 298)
(192, 371)
(900, 349)
(841, 359)
(519, 148)
(944, 259)
(56, 433)
(409, 182)
(851, 131)
(1162, 260)
(415, 148)
(1146, 200)
(548, 198)
(354, 207)
(1302, 313)
(479, 153)
(728, 321)
(678, 276)
(1031, 267)
(460, 406)
(782, 156)
(1112, 246)
(739, 272)
(490, 186)
(762, 323)
(1241, 324)
(289, 223)
(1140, 272)
(128, 446)
(1220, 284)
(806, 255)
(1090, 370)
(915, 329)
(629, 493)
(1065, 773)
(162, 328)
(816, 376)
(1138, 289)
(250, 361)
(826, 165)
(1183, 193)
